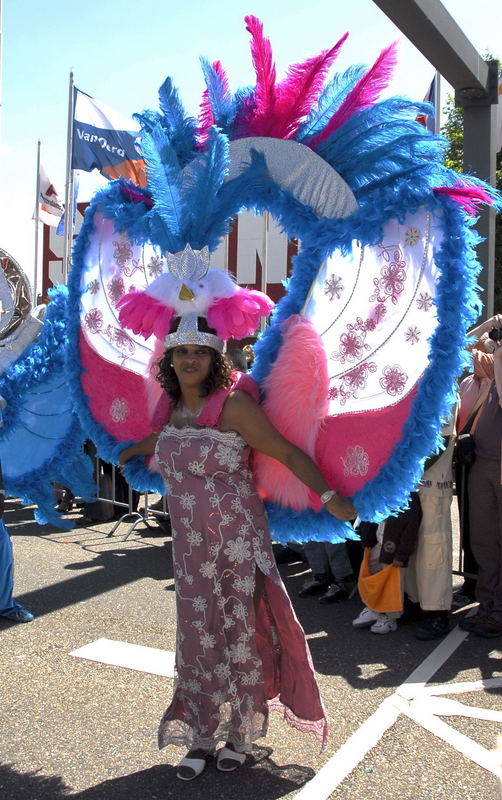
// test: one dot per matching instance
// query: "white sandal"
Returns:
(231, 755)
(197, 765)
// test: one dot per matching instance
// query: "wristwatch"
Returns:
(327, 495)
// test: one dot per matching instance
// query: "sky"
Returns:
(121, 52)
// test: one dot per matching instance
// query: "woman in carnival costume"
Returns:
(240, 648)
(358, 366)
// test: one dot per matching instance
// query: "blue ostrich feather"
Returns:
(206, 175)
(165, 183)
(220, 98)
(182, 127)
(330, 100)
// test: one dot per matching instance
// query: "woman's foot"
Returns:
(229, 759)
(192, 765)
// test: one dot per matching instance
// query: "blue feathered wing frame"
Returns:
(391, 165)
(41, 440)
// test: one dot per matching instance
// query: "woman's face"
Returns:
(191, 363)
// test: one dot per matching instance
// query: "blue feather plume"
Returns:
(164, 182)
(205, 176)
(220, 98)
(330, 100)
(181, 127)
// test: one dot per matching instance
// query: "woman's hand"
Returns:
(341, 507)
(146, 447)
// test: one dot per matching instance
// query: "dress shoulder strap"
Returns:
(210, 414)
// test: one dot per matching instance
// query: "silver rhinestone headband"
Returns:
(189, 333)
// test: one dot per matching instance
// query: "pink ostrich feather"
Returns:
(296, 403)
(254, 120)
(469, 197)
(239, 315)
(366, 92)
(144, 314)
(298, 92)
(206, 115)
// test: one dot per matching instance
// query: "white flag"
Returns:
(50, 205)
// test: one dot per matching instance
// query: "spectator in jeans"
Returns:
(332, 572)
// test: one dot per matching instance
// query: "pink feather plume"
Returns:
(254, 120)
(469, 197)
(298, 92)
(366, 92)
(144, 314)
(239, 315)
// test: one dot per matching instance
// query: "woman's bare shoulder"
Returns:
(237, 405)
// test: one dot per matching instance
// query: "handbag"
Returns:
(382, 591)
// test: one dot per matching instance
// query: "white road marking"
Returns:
(405, 699)
(131, 656)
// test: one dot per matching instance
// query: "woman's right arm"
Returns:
(146, 447)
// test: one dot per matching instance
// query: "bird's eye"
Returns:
(201, 285)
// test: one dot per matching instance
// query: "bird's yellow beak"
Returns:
(186, 293)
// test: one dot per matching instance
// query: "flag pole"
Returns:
(37, 226)
(68, 203)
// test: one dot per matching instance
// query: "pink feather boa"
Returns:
(296, 403)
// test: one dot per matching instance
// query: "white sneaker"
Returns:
(366, 618)
(384, 624)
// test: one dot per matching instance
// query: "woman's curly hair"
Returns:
(220, 368)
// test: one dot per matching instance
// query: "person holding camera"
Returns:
(484, 483)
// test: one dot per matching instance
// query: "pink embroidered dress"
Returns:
(233, 662)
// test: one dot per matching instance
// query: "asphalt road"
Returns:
(71, 727)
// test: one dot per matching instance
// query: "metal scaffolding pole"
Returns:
(440, 39)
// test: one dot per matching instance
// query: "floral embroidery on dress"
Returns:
(219, 542)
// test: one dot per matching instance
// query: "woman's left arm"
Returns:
(243, 415)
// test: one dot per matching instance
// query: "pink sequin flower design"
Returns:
(356, 461)
(116, 289)
(355, 380)
(390, 284)
(123, 256)
(394, 380)
(93, 320)
(352, 345)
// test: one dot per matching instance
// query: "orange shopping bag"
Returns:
(381, 591)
